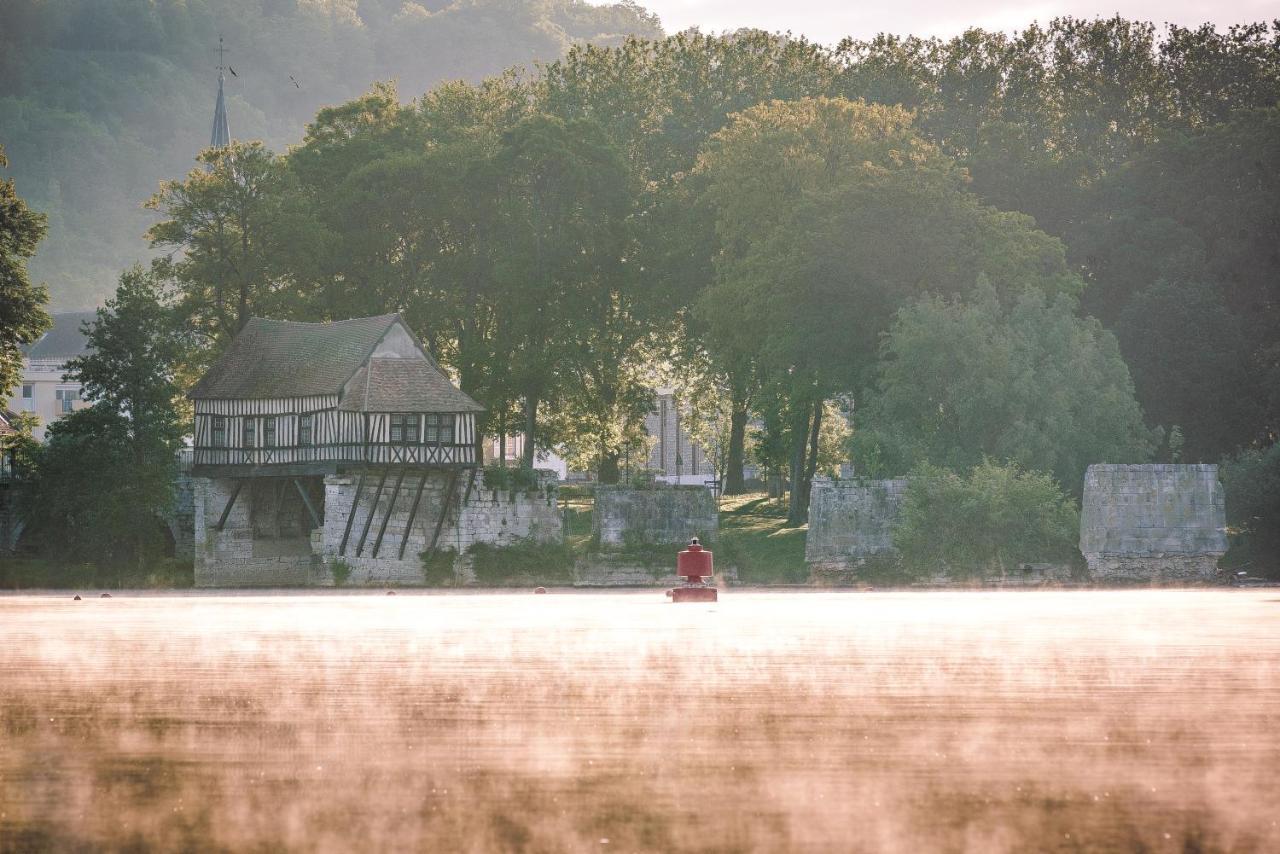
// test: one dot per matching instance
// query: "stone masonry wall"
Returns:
(490, 516)
(659, 516)
(233, 557)
(229, 558)
(851, 522)
(1153, 522)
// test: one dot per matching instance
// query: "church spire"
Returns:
(221, 136)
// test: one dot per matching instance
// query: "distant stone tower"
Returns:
(221, 136)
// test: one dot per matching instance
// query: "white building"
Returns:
(43, 390)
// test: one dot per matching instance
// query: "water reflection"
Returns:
(1144, 720)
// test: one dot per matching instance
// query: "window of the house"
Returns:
(28, 397)
(219, 431)
(440, 429)
(247, 433)
(66, 397)
(404, 429)
(268, 432)
(304, 429)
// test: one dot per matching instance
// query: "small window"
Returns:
(439, 429)
(304, 429)
(28, 391)
(66, 397)
(268, 432)
(404, 429)
(247, 434)
(219, 431)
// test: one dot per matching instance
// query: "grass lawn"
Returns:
(755, 538)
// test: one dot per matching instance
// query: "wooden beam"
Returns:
(346, 534)
(373, 508)
(471, 482)
(395, 493)
(226, 511)
(444, 509)
(413, 512)
(316, 521)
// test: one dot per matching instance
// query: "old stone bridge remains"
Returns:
(1137, 523)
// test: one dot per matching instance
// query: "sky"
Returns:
(829, 20)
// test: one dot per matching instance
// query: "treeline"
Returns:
(101, 99)
(1046, 249)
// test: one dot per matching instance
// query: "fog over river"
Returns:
(771, 721)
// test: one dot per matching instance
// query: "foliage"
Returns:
(514, 479)
(105, 480)
(987, 521)
(22, 315)
(526, 562)
(21, 447)
(437, 567)
(1252, 483)
(963, 380)
(341, 572)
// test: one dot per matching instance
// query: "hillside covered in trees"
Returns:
(101, 99)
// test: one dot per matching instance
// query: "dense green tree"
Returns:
(22, 315)
(109, 512)
(1251, 480)
(985, 522)
(960, 381)
(815, 200)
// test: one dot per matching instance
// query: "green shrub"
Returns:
(437, 567)
(1252, 483)
(525, 562)
(519, 479)
(341, 572)
(988, 521)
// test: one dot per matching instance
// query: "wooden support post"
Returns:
(471, 482)
(355, 502)
(316, 521)
(373, 508)
(444, 509)
(391, 505)
(413, 512)
(226, 511)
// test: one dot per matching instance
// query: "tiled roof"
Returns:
(6, 425)
(405, 385)
(65, 340)
(282, 358)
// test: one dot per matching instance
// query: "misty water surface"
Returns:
(1061, 721)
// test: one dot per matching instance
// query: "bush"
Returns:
(993, 519)
(437, 567)
(341, 572)
(525, 562)
(500, 477)
(1252, 483)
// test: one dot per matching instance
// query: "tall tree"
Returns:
(815, 200)
(110, 513)
(22, 315)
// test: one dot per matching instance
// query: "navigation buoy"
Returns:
(694, 564)
(77, 598)
(539, 590)
(105, 596)
(391, 593)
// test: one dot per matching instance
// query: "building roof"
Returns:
(64, 340)
(221, 136)
(283, 358)
(405, 385)
(6, 422)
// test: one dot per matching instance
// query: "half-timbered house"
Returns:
(324, 444)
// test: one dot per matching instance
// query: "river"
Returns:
(771, 721)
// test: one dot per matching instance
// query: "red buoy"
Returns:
(693, 565)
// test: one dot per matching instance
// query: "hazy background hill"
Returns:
(101, 99)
